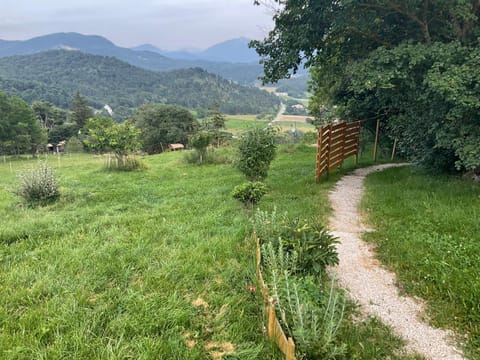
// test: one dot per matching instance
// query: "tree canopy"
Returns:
(409, 63)
(20, 131)
(164, 124)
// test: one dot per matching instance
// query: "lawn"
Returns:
(150, 265)
(428, 232)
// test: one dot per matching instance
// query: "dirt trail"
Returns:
(370, 284)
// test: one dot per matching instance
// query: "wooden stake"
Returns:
(394, 148)
(319, 154)
(376, 141)
(290, 355)
(271, 321)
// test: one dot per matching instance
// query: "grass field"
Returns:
(238, 123)
(428, 232)
(289, 125)
(150, 265)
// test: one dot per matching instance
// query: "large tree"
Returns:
(366, 57)
(80, 111)
(20, 131)
(164, 124)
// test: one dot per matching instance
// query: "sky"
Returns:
(167, 24)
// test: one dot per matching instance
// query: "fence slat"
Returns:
(336, 142)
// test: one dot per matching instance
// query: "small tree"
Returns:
(200, 142)
(218, 121)
(105, 135)
(256, 152)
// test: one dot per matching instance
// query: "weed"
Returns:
(38, 185)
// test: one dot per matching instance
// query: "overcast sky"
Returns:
(168, 24)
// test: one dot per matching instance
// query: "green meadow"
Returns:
(154, 264)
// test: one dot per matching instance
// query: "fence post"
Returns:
(319, 154)
(394, 148)
(358, 144)
(376, 141)
(271, 321)
(329, 147)
(290, 355)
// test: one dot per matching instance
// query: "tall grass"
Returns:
(428, 231)
(124, 264)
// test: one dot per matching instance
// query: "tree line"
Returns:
(27, 128)
(413, 65)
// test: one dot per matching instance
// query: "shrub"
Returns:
(314, 246)
(200, 142)
(38, 185)
(250, 192)
(256, 152)
(307, 312)
(74, 145)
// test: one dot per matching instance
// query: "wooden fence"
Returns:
(274, 329)
(335, 144)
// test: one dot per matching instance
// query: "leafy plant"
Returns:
(256, 152)
(313, 244)
(250, 192)
(307, 313)
(38, 185)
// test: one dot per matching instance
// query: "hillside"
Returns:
(150, 60)
(56, 75)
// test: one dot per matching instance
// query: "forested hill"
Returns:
(149, 60)
(56, 75)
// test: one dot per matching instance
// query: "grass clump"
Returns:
(38, 185)
(125, 163)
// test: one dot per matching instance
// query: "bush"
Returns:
(313, 245)
(74, 145)
(38, 185)
(249, 193)
(256, 152)
(308, 310)
(200, 142)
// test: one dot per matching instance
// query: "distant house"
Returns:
(175, 147)
(59, 148)
(298, 107)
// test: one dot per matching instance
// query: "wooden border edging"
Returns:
(274, 329)
(336, 142)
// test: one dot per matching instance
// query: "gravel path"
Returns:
(370, 284)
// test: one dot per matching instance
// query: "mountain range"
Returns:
(56, 75)
(230, 51)
(232, 60)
